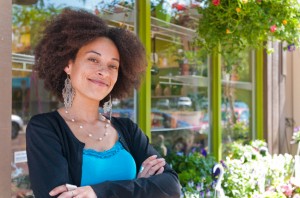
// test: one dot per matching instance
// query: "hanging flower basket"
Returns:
(242, 24)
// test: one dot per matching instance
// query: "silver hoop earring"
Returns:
(68, 93)
(107, 107)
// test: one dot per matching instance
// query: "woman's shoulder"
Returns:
(126, 126)
(48, 118)
(44, 116)
(120, 122)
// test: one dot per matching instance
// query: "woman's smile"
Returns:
(99, 82)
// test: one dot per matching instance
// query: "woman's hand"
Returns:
(152, 166)
(80, 192)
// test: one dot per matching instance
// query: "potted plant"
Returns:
(243, 24)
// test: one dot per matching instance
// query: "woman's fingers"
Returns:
(58, 190)
(80, 192)
(155, 165)
(152, 166)
(68, 194)
(149, 159)
(160, 171)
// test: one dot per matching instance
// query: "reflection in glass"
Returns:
(179, 85)
(237, 98)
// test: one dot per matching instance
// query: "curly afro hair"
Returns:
(67, 32)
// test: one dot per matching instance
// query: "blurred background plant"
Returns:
(249, 171)
(236, 132)
(194, 171)
(28, 23)
(244, 24)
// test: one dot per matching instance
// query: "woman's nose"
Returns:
(102, 70)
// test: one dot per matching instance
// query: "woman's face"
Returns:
(94, 72)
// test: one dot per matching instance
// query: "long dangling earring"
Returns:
(68, 93)
(107, 107)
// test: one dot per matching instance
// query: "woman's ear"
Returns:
(68, 68)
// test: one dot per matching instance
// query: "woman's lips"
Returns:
(99, 82)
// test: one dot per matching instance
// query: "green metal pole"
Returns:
(216, 94)
(259, 95)
(143, 30)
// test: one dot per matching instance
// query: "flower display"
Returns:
(253, 172)
(249, 171)
(244, 24)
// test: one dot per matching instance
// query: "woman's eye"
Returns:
(93, 60)
(113, 66)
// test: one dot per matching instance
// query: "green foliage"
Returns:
(29, 15)
(194, 171)
(31, 20)
(244, 24)
(237, 131)
(235, 60)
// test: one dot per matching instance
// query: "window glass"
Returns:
(179, 105)
(237, 98)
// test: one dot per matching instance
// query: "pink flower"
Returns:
(273, 28)
(216, 2)
(287, 189)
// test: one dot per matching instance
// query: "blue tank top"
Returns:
(111, 165)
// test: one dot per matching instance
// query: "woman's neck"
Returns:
(85, 110)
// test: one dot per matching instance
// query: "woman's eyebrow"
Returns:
(116, 59)
(92, 51)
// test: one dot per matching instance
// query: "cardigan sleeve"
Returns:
(48, 168)
(158, 186)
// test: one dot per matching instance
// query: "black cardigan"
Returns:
(55, 158)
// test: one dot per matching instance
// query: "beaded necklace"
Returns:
(101, 118)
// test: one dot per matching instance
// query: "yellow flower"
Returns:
(284, 22)
(245, 1)
(228, 31)
(238, 10)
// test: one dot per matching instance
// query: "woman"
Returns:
(86, 63)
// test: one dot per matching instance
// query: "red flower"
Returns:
(273, 28)
(178, 6)
(216, 2)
